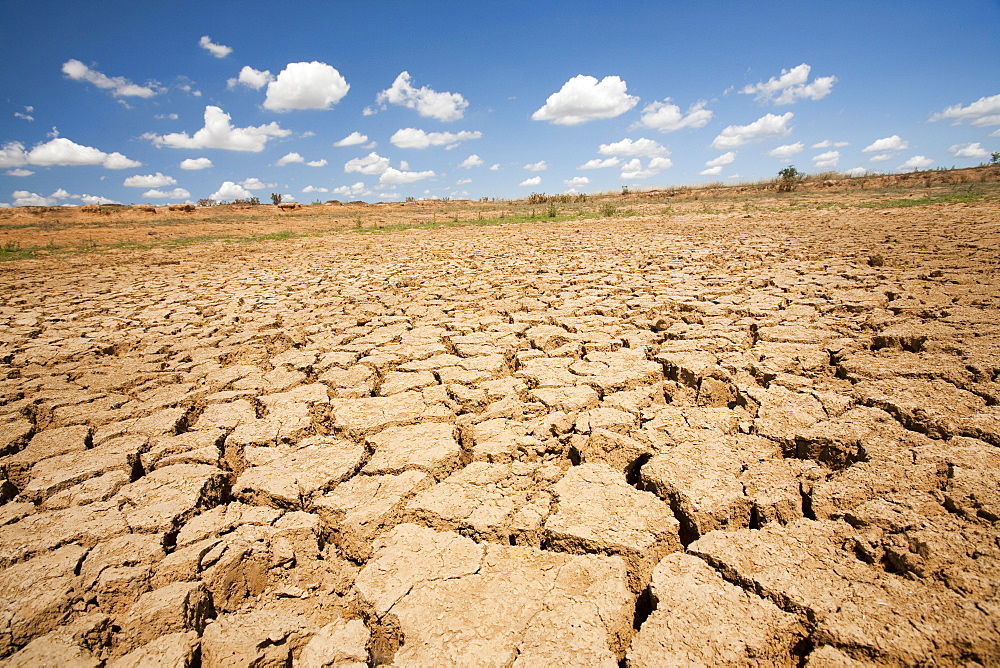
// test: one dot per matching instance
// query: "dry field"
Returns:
(708, 427)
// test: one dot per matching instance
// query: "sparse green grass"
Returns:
(922, 201)
(433, 225)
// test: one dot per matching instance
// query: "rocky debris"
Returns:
(289, 454)
(454, 601)
(700, 619)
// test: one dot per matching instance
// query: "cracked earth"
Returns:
(643, 442)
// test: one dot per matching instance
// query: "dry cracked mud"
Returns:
(694, 440)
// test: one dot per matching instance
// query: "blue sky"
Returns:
(177, 101)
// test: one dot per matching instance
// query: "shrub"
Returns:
(275, 199)
(788, 178)
(608, 209)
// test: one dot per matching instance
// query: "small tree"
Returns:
(788, 178)
(995, 158)
(276, 199)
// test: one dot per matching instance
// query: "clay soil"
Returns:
(689, 427)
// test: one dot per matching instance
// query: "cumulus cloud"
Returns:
(414, 138)
(533, 181)
(893, 143)
(766, 127)
(217, 50)
(352, 139)
(639, 148)
(712, 171)
(196, 163)
(393, 176)
(827, 160)
(495, 167)
(229, 191)
(12, 154)
(916, 162)
(97, 199)
(583, 98)
(724, 159)
(312, 85)
(786, 151)
(881, 157)
(150, 181)
(826, 143)
(62, 151)
(576, 182)
(667, 117)
(220, 133)
(253, 183)
(856, 171)
(26, 114)
(984, 112)
(470, 162)
(176, 193)
(597, 163)
(973, 150)
(462, 182)
(314, 189)
(427, 102)
(119, 86)
(26, 198)
(633, 169)
(539, 166)
(372, 164)
(19, 172)
(288, 159)
(251, 78)
(359, 189)
(791, 86)
(316, 163)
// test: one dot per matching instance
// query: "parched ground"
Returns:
(745, 437)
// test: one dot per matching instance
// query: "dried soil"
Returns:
(761, 437)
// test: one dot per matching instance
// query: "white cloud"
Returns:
(166, 117)
(357, 190)
(12, 154)
(916, 162)
(230, 191)
(724, 159)
(712, 171)
(667, 117)
(856, 171)
(791, 86)
(827, 160)
(533, 181)
(196, 163)
(414, 138)
(150, 181)
(288, 159)
(597, 163)
(893, 143)
(25, 198)
(576, 182)
(973, 150)
(882, 157)
(372, 164)
(495, 167)
(766, 127)
(176, 193)
(539, 166)
(352, 139)
(97, 199)
(633, 169)
(392, 176)
(462, 182)
(62, 193)
(312, 85)
(217, 50)
(317, 163)
(427, 102)
(220, 133)
(119, 86)
(984, 112)
(470, 162)
(253, 183)
(638, 148)
(62, 151)
(251, 78)
(26, 114)
(19, 172)
(826, 143)
(584, 98)
(313, 189)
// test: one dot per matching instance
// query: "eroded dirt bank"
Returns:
(771, 439)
